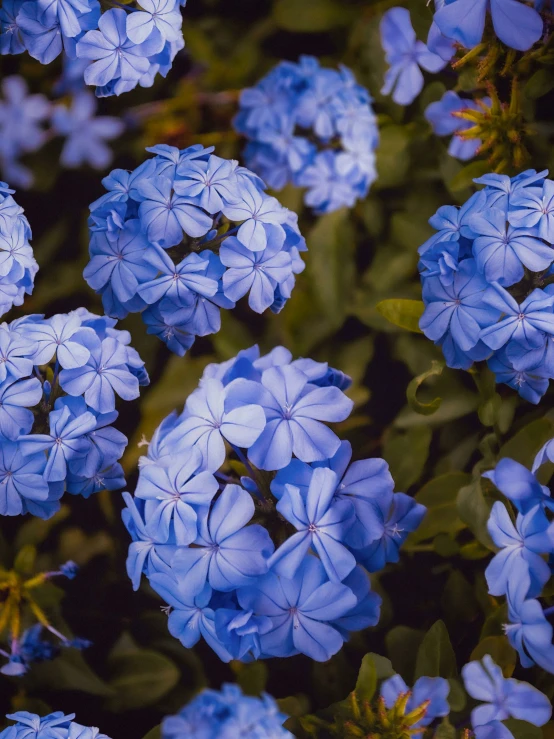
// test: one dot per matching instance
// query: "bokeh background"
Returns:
(135, 672)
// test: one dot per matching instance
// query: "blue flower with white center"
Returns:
(405, 55)
(185, 235)
(21, 479)
(305, 124)
(16, 398)
(501, 697)
(533, 208)
(157, 18)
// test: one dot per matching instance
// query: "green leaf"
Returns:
(540, 83)
(435, 656)
(457, 698)
(500, 650)
(526, 443)
(425, 409)
(407, 452)
(439, 496)
(331, 264)
(458, 599)
(393, 159)
(69, 671)
(155, 733)
(403, 313)
(445, 730)
(310, 16)
(402, 644)
(25, 560)
(522, 730)
(474, 510)
(465, 176)
(140, 677)
(251, 677)
(366, 684)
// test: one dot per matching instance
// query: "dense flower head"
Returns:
(59, 378)
(486, 276)
(18, 266)
(56, 725)
(227, 714)
(313, 127)
(271, 560)
(521, 569)
(122, 47)
(186, 234)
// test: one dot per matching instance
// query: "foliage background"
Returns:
(136, 672)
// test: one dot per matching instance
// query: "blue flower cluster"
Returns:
(501, 698)
(188, 233)
(463, 21)
(406, 57)
(519, 570)
(58, 382)
(124, 47)
(486, 278)
(23, 129)
(313, 127)
(54, 726)
(272, 563)
(227, 714)
(442, 117)
(18, 266)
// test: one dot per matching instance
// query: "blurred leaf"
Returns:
(25, 560)
(475, 511)
(35, 530)
(458, 599)
(435, 656)
(445, 730)
(500, 650)
(366, 684)
(471, 171)
(403, 313)
(392, 156)
(310, 16)
(155, 733)
(425, 409)
(439, 496)
(540, 83)
(526, 443)
(140, 677)
(407, 452)
(69, 671)
(331, 264)
(522, 730)
(251, 677)
(457, 698)
(403, 644)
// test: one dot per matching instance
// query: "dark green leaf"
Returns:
(445, 730)
(310, 16)
(526, 443)
(155, 733)
(540, 83)
(439, 496)
(403, 644)
(407, 452)
(69, 671)
(251, 677)
(465, 177)
(366, 684)
(474, 510)
(140, 677)
(435, 656)
(523, 730)
(403, 313)
(425, 409)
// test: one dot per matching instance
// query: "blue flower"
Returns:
(301, 610)
(227, 553)
(175, 496)
(29, 724)
(519, 485)
(85, 133)
(322, 523)
(253, 211)
(209, 183)
(65, 442)
(104, 374)
(58, 337)
(191, 616)
(502, 698)
(526, 541)
(403, 517)
(444, 123)
(501, 189)
(157, 16)
(516, 24)
(526, 323)
(11, 41)
(16, 397)
(240, 632)
(21, 479)
(114, 56)
(530, 384)
(294, 410)
(503, 251)
(528, 631)
(533, 208)
(211, 417)
(435, 690)
(327, 189)
(15, 355)
(405, 55)
(256, 272)
(177, 283)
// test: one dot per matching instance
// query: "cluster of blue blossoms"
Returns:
(28, 122)
(58, 382)
(444, 122)
(18, 266)
(188, 233)
(486, 275)
(54, 726)
(522, 568)
(312, 127)
(121, 48)
(227, 714)
(294, 580)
